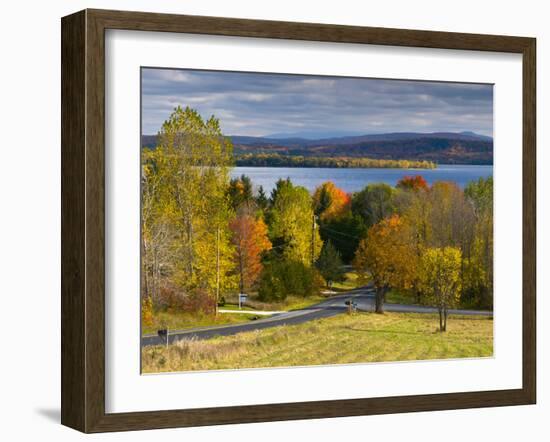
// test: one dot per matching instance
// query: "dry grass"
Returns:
(182, 320)
(363, 337)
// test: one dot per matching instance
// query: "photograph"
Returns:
(292, 220)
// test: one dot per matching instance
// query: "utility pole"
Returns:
(313, 225)
(217, 269)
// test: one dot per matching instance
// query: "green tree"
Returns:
(344, 233)
(292, 225)
(262, 201)
(330, 264)
(240, 191)
(374, 203)
(279, 184)
(282, 278)
(440, 270)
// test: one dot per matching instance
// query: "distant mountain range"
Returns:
(440, 147)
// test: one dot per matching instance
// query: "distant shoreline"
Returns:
(278, 160)
(436, 148)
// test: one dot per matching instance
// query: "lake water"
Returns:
(353, 180)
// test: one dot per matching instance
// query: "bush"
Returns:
(193, 301)
(199, 301)
(169, 298)
(282, 278)
(271, 286)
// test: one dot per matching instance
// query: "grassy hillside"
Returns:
(362, 337)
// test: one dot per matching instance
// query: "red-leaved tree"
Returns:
(415, 183)
(250, 241)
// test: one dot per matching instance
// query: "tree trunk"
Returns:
(379, 299)
(418, 296)
(241, 271)
(440, 320)
(445, 315)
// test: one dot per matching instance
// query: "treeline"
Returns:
(435, 243)
(279, 160)
(205, 235)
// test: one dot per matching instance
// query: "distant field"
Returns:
(362, 337)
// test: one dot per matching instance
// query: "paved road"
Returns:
(364, 298)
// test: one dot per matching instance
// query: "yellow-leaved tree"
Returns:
(441, 279)
(186, 238)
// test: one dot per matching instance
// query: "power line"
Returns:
(339, 233)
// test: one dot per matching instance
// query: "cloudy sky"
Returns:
(315, 106)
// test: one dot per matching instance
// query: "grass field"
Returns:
(397, 297)
(362, 337)
(183, 321)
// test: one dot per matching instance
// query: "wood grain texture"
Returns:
(529, 220)
(73, 130)
(83, 220)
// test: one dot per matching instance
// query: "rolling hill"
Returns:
(439, 147)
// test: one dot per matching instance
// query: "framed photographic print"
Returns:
(267, 221)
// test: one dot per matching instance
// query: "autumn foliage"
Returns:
(415, 183)
(330, 202)
(440, 276)
(250, 241)
(389, 256)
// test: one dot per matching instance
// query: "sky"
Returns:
(257, 104)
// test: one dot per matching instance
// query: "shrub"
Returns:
(199, 301)
(169, 298)
(192, 301)
(271, 286)
(282, 278)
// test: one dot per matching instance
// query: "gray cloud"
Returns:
(262, 104)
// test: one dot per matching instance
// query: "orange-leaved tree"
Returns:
(388, 255)
(415, 183)
(250, 241)
(330, 202)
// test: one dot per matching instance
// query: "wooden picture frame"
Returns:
(83, 220)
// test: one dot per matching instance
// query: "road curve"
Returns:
(363, 297)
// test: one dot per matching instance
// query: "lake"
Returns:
(353, 180)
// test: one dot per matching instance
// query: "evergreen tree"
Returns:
(240, 192)
(330, 264)
(261, 199)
